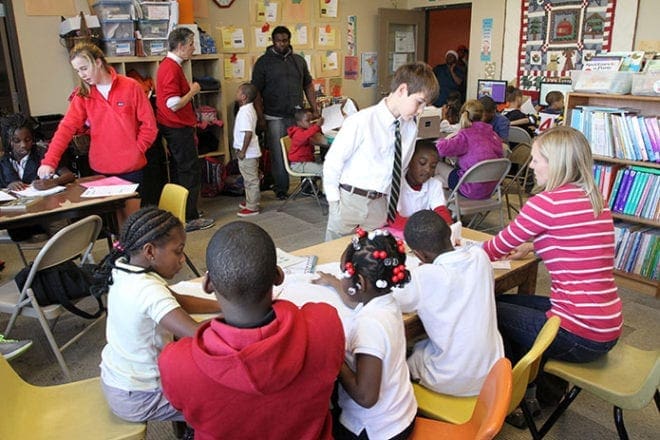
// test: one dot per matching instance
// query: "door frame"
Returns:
(13, 61)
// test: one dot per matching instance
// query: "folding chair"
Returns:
(492, 170)
(521, 156)
(519, 135)
(173, 199)
(75, 240)
(308, 178)
(70, 411)
(20, 246)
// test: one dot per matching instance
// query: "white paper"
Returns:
(501, 264)
(113, 190)
(404, 42)
(332, 117)
(349, 107)
(398, 60)
(527, 107)
(5, 197)
(31, 191)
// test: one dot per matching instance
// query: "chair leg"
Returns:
(529, 420)
(292, 196)
(20, 252)
(191, 265)
(656, 397)
(618, 421)
(563, 405)
(53, 343)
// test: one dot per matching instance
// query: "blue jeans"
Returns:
(520, 318)
(276, 130)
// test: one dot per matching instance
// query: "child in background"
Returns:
(304, 135)
(553, 114)
(474, 142)
(514, 99)
(357, 172)
(143, 313)
(451, 113)
(247, 145)
(452, 292)
(419, 190)
(265, 369)
(375, 393)
(499, 123)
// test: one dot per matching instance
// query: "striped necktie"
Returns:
(396, 174)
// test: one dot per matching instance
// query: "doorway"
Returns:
(13, 96)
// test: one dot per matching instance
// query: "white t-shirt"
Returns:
(246, 120)
(377, 330)
(455, 300)
(136, 304)
(430, 196)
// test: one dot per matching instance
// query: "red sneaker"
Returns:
(247, 212)
(242, 205)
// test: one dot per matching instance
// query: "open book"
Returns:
(292, 264)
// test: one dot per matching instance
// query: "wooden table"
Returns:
(521, 275)
(67, 204)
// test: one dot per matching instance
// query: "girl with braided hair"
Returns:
(376, 396)
(143, 313)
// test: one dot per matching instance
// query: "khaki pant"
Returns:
(249, 169)
(353, 210)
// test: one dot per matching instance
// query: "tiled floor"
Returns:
(301, 225)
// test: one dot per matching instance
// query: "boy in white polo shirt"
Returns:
(247, 145)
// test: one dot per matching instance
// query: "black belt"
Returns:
(362, 192)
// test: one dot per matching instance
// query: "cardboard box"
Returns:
(73, 24)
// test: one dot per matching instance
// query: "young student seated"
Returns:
(247, 145)
(452, 292)
(553, 114)
(419, 190)
(19, 164)
(143, 313)
(514, 99)
(265, 369)
(451, 113)
(499, 123)
(304, 135)
(375, 394)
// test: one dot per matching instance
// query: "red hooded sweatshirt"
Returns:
(269, 382)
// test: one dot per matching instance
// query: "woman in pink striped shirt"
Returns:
(572, 232)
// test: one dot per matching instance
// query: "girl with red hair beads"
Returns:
(375, 394)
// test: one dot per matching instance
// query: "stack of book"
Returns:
(637, 250)
(635, 190)
(618, 132)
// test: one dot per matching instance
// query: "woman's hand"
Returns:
(520, 252)
(45, 171)
(17, 186)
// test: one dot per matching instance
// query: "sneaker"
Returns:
(282, 195)
(199, 223)
(247, 212)
(10, 348)
(242, 205)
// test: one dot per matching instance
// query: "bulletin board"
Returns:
(235, 67)
(260, 37)
(233, 39)
(328, 64)
(265, 11)
(66, 8)
(297, 11)
(328, 36)
(327, 10)
(302, 36)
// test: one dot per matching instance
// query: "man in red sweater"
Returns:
(176, 121)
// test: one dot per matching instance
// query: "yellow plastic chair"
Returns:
(458, 409)
(487, 416)
(626, 377)
(173, 198)
(74, 410)
(285, 143)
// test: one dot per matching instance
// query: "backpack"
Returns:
(213, 176)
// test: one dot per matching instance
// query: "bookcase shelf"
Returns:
(647, 106)
(198, 66)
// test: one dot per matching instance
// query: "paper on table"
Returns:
(31, 191)
(112, 190)
(527, 107)
(295, 264)
(106, 181)
(501, 264)
(332, 117)
(5, 197)
(349, 107)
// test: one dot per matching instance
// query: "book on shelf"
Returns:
(603, 63)
(630, 61)
(624, 189)
(19, 204)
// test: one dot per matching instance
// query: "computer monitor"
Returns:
(547, 87)
(494, 88)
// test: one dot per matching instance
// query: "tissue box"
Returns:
(646, 84)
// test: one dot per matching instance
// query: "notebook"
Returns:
(292, 264)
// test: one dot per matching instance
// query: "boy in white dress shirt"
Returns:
(357, 172)
(452, 292)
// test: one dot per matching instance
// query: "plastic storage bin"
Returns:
(155, 10)
(112, 10)
(117, 29)
(155, 46)
(646, 84)
(119, 48)
(592, 81)
(153, 28)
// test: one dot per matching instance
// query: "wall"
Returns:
(447, 29)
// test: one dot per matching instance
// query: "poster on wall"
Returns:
(369, 69)
(486, 39)
(351, 67)
(351, 35)
(558, 36)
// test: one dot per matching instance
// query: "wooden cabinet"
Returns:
(647, 106)
(213, 139)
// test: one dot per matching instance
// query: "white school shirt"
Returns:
(136, 304)
(377, 330)
(455, 300)
(362, 153)
(246, 120)
(429, 196)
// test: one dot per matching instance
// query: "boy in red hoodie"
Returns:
(264, 369)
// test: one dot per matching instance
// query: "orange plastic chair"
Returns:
(489, 412)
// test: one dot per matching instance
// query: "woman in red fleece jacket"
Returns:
(121, 121)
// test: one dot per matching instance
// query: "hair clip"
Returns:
(117, 245)
(349, 270)
(381, 284)
(379, 255)
(361, 233)
(351, 291)
(356, 243)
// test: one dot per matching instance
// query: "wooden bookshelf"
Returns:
(647, 106)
